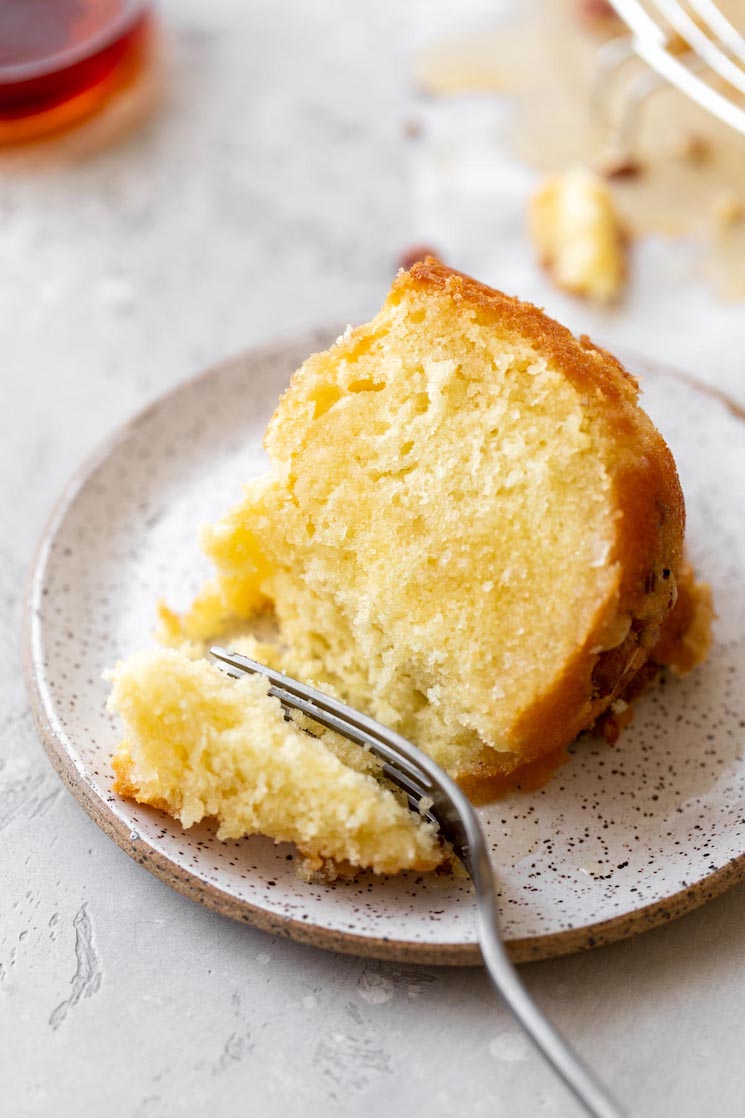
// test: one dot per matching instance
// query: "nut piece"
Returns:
(411, 256)
(412, 128)
(728, 209)
(693, 147)
(618, 164)
(579, 236)
(592, 13)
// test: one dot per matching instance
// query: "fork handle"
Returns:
(504, 976)
(459, 824)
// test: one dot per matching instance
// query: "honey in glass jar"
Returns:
(61, 60)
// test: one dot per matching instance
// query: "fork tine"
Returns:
(639, 89)
(291, 702)
(715, 20)
(637, 93)
(681, 21)
(651, 45)
(334, 714)
(610, 58)
(693, 86)
(638, 19)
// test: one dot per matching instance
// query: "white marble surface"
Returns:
(276, 186)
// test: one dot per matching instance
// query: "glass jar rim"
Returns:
(61, 60)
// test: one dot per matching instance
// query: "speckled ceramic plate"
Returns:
(622, 839)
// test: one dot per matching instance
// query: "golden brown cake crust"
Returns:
(686, 636)
(583, 363)
(125, 785)
(647, 550)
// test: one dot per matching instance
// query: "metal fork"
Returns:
(422, 779)
(716, 46)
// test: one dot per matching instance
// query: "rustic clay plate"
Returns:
(622, 839)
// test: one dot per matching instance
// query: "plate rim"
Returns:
(521, 950)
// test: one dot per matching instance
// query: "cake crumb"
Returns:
(579, 236)
(728, 209)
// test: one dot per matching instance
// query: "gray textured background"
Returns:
(275, 186)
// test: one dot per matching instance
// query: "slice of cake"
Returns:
(469, 530)
(202, 745)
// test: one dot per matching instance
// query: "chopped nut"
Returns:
(412, 129)
(593, 13)
(728, 209)
(411, 256)
(692, 147)
(618, 164)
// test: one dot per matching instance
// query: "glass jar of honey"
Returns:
(61, 60)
